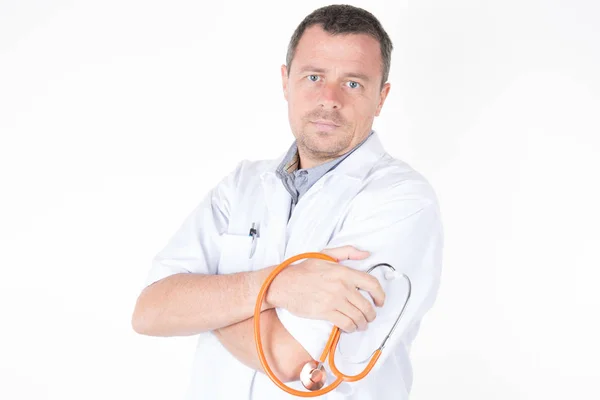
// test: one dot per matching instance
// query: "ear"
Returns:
(382, 96)
(284, 81)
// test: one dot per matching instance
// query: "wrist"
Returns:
(258, 279)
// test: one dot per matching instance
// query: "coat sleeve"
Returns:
(194, 247)
(397, 226)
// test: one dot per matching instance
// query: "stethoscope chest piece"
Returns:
(313, 375)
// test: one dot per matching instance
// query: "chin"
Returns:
(325, 142)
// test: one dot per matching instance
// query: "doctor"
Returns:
(335, 191)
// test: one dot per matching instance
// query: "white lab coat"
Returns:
(371, 201)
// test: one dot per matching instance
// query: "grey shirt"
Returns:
(299, 181)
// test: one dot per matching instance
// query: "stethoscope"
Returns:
(313, 374)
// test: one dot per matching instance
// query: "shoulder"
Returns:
(255, 168)
(249, 171)
(392, 179)
(391, 192)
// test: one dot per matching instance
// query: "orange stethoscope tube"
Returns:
(330, 347)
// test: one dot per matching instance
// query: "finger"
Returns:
(359, 301)
(346, 253)
(369, 283)
(348, 309)
(342, 321)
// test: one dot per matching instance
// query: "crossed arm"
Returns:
(187, 304)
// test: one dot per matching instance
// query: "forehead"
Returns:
(352, 51)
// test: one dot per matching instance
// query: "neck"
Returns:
(305, 162)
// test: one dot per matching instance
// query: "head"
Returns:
(335, 81)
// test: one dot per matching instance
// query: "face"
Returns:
(333, 92)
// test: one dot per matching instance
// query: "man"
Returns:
(335, 191)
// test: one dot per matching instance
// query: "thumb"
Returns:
(346, 253)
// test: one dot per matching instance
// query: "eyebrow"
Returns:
(310, 68)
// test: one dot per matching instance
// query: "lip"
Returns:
(325, 126)
(324, 122)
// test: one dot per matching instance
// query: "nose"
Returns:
(330, 97)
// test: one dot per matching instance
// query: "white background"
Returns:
(116, 117)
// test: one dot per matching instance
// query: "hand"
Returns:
(320, 289)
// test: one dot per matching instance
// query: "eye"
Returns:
(353, 84)
(313, 78)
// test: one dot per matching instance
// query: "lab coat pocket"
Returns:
(235, 253)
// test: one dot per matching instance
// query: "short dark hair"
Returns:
(345, 19)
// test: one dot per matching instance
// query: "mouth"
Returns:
(324, 125)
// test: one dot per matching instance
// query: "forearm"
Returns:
(284, 354)
(188, 304)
